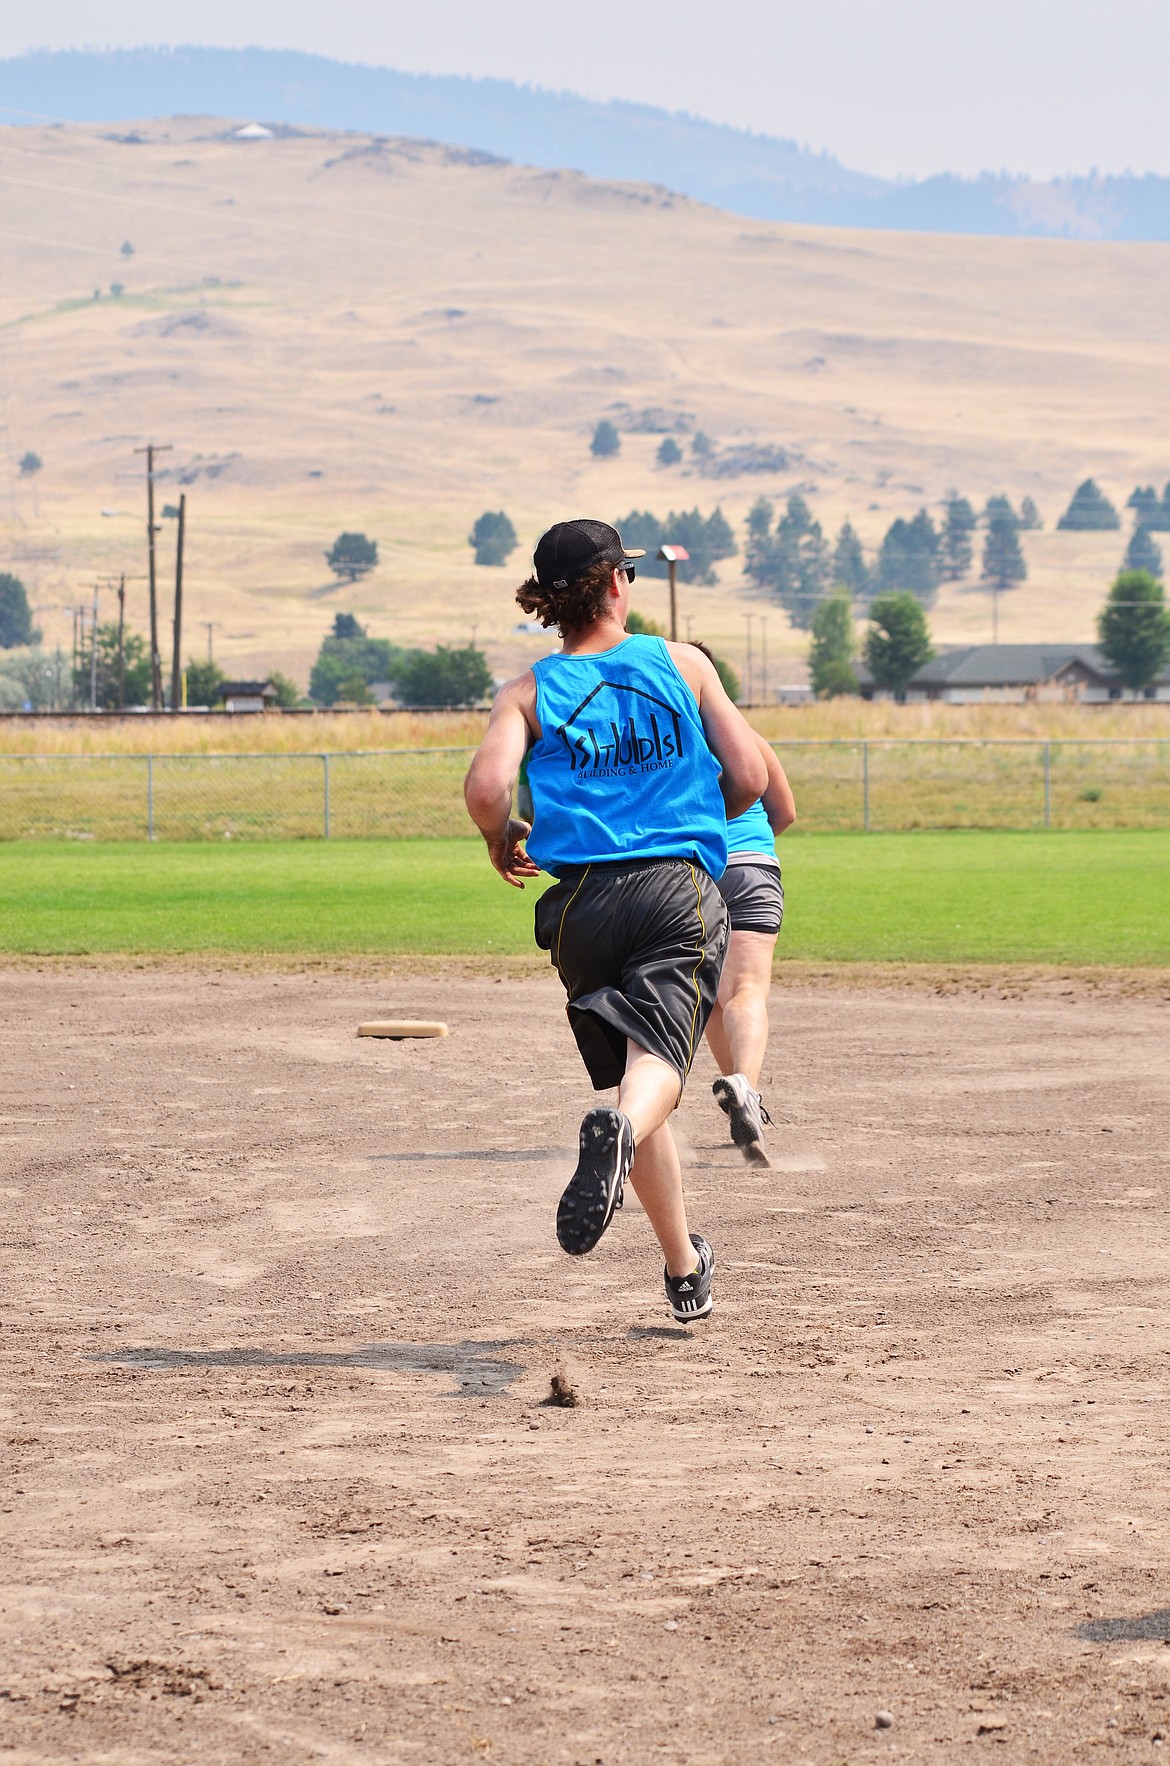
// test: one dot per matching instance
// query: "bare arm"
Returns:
(779, 803)
(491, 780)
(730, 737)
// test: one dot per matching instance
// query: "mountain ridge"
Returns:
(762, 177)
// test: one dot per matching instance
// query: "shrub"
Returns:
(16, 626)
(493, 537)
(288, 694)
(606, 440)
(1133, 628)
(831, 651)
(443, 676)
(339, 659)
(669, 453)
(897, 642)
(205, 680)
(30, 463)
(352, 555)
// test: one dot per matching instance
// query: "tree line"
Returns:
(1133, 635)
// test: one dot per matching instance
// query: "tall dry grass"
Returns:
(343, 732)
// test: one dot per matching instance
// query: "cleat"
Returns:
(744, 1109)
(689, 1296)
(595, 1190)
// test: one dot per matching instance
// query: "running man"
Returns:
(751, 887)
(636, 757)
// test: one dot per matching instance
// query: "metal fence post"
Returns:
(865, 786)
(325, 781)
(1048, 784)
(150, 797)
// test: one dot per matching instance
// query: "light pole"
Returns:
(672, 557)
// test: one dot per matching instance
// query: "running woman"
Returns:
(753, 891)
(636, 757)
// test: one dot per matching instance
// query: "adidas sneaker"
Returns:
(689, 1296)
(595, 1189)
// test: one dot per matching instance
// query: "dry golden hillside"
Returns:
(338, 332)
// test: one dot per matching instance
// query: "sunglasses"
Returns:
(629, 570)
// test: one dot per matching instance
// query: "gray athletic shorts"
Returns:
(639, 948)
(755, 897)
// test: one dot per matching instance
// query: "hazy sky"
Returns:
(891, 86)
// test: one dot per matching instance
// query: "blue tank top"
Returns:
(752, 831)
(622, 769)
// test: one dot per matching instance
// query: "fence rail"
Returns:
(877, 783)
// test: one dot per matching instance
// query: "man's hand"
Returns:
(508, 855)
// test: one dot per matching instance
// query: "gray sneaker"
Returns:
(689, 1296)
(744, 1109)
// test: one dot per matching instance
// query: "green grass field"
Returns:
(1095, 898)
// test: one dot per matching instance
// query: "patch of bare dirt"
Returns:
(280, 1472)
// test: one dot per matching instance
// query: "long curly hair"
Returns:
(578, 604)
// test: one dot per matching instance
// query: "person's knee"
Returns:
(747, 991)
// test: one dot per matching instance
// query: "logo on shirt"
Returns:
(647, 740)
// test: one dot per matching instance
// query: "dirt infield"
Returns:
(281, 1313)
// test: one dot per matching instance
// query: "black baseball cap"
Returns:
(569, 548)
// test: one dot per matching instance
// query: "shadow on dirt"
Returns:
(477, 1373)
(501, 1155)
(1143, 1628)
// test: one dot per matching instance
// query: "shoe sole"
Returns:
(742, 1132)
(593, 1191)
(690, 1317)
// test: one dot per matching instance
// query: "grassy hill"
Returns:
(340, 331)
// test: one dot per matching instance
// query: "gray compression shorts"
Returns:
(754, 895)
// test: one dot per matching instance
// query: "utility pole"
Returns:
(122, 642)
(177, 649)
(747, 691)
(93, 628)
(156, 689)
(209, 623)
(995, 615)
(764, 654)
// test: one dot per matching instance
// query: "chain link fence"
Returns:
(881, 785)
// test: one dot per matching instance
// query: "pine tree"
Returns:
(1029, 516)
(1141, 499)
(999, 507)
(669, 452)
(957, 549)
(1143, 553)
(1003, 559)
(850, 571)
(909, 558)
(1090, 511)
